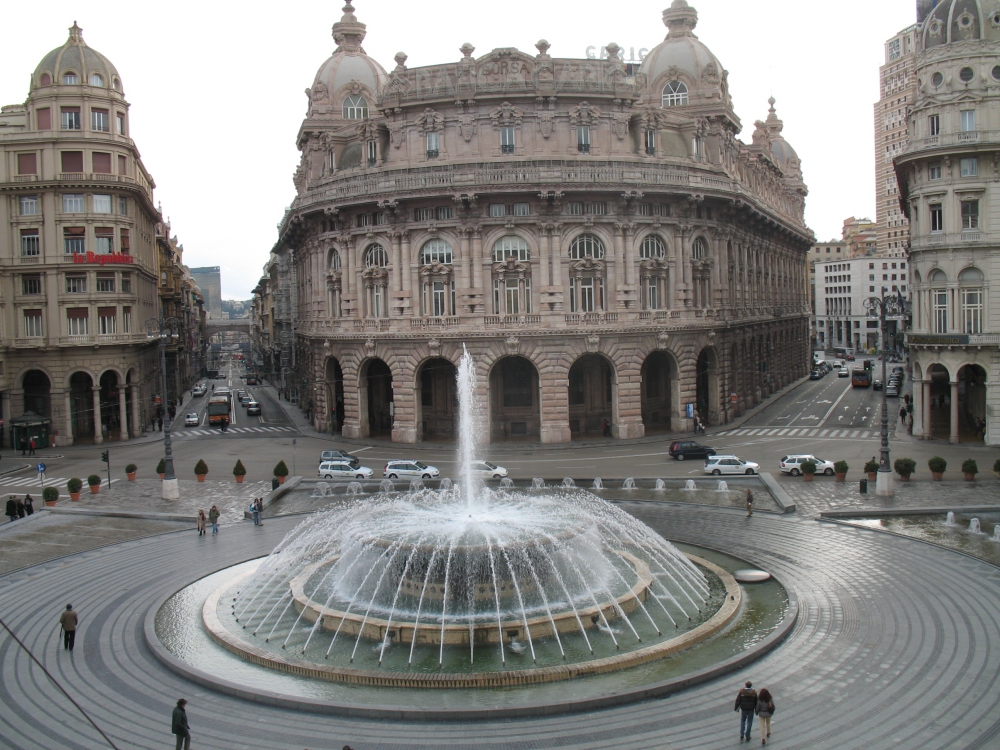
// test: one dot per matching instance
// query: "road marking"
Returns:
(855, 433)
(812, 432)
(827, 415)
(866, 434)
(824, 433)
(783, 432)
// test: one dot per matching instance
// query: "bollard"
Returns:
(864, 486)
(274, 484)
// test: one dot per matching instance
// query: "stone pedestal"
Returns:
(170, 489)
(883, 484)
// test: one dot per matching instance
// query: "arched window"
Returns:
(651, 247)
(675, 94)
(376, 257)
(937, 276)
(586, 246)
(510, 247)
(335, 260)
(355, 108)
(70, 78)
(96, 79)
(698, 249)
(46, 79)
(436, 251)
(116, 84)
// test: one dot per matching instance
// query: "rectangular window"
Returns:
(70, 118)
(362, 220)
(102, 204)
(30, 243)
(934, 170)
(32, 324)
(934, 125)
(970, 215)
(106, 283)
(423, 214)
(126, 315)
(663, 209)
(28, 205)
(496, 296)
(972, 310)
(507, 140)
(444, 213)
(372, 153)
(498, 210)
(575, 208)
(654, 294)
(27, 163)
(126, 283)
(102, 163)
(45, 119)
(968, 120)
(121, 123)
(937, 218)
(31, 285)
(599, 209)
(77, 321)
(74, 240)
(99, 120)
(72, 162)
(122, 165)
(969, 167)
(126, 244)
(433, 145)
(107, 320)
(521, 209)
(646, 209)
(651, 143)
(512, 297)
(437, 299)
(123, 206)
(104, 240)
(939, 299)
(163, 278)
(378, 218)
(587, 295)
(583, 139)
(76, 284)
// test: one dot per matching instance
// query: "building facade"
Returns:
(607, 249)
(209, 280)
(949, 191)
(78, 261)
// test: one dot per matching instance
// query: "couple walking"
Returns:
(212, 518)
(750, 702)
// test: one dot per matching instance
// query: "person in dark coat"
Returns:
(179, 726)
(21, 512)
(68, 621)
(11, 510)
(746, 704)
(29, 505)
(749, 503)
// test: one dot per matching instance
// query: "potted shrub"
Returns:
(840, 469)
(130, 472)
(808, 470)
(201, 469)
(161, 468)
(50, 495)
(73, 486)
(94, 482)
(904, 467)
(871, 469)
(937, 465)
(239, 471)
(970, 469)
(281, 472)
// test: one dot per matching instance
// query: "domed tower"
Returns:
(782, 152)
(74, 63)
(682, 73)
(340, 101)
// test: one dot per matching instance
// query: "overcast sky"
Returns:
(216, 88)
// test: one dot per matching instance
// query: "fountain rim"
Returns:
(501, 679)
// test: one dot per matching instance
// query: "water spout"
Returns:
(538, 483)
(628, 484)
(974, 526)
(950, 519)
(996, 534)
(416, 485)
(506, 483)
(598, 484)
(690, 485)
(468, 431)
(723, 487)
(568, 482)
(446, 484)
(355, 488)
(660, 485)
(322, 489)
(386, 485)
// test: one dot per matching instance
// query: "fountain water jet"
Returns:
(355, 488)
(446, 484)
(723, 487)
(690, 485)
(974, 526)
(598, 484)
(996, 534)
(538, 483)
(386, 485)
(568, 482)
(949, 520)
(506, 483)
(660, 485)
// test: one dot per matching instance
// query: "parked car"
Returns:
(343, 470)
(815, 375)
(791, 464)
(892, 390)
(844, 373)
(192, 420)
(837, 364)
(682, 449)
(486, 469)
(876, 385)
(334, 455)
(199, 390)
(396, 469)
(253, 408)
(719, 464)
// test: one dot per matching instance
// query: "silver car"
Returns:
(343, 470)
(716, 465)
(487, 470)
(792, 464)
(411, 469)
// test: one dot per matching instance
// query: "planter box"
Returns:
(74, 496)
(238, 478)
(53, 503)
(131, 476)
(842, 477)
(936, 475)
(94, 489)
(201, 477)
(281, 480)
(904, 477)
(163, 475)
(969, 477)
(808, 477)
(872, 476)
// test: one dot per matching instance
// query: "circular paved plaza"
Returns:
(896, 646)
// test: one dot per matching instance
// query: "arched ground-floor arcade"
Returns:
(955, 394)
(551, 387)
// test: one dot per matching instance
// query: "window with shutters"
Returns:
(72, 162)
(74, 240)
(32, 324)
(126, 243)
(102, 162)
(104, 240)
(99, 120)
(44, 115)
(30, 243)
(107, 320)
(27, 163)
(77, 321)
(28, 205)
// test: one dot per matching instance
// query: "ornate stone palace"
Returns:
(596, 235)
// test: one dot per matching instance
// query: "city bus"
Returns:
(861, 378)
(219, 406)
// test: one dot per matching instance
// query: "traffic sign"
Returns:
(40, 468)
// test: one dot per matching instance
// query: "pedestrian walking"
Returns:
(24, 447)
(202, 522)
(749, 503)
(29, 505)
(259, 504)
(256, 512)
(179, 726)
(765, 710)
(31, 447)
(68, 621)
(213, 518)
(21, 510)
(11, 510)
(746, 703)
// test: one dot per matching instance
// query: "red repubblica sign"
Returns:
(102, 259)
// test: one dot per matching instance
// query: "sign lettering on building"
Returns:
(102, 258)
(936, 340)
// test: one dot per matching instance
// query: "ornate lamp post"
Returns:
(165, 329)
(886, 308)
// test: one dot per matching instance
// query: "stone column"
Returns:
(630, 255)
(406, 261)
(122, 413)
(136, 423)
(98, 436)
(347, 264)
(543, 255)
(404, 421)
(5, 411)
(953, 439)
(67, 403)
(464, 281)
(558, 276)
(477, 258)
(397, 268)
(925, 409)
(614, 271)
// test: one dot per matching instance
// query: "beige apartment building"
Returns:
(78, 263)
(948, 177)
(610, 253)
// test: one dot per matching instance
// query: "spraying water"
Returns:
(949, 520)
(468, 427)
(974, 526)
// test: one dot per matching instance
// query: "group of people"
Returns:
(750, 703)
(19, 507)
(28, 447)
(212, 518)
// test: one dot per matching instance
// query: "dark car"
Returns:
(689, 449)
(876, 385)
(338, 455)
(815, 375)
(253, 408)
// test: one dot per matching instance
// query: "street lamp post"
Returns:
(164, 329)
(885, 308)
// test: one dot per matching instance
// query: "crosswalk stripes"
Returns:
(32, 481)
(238, 430)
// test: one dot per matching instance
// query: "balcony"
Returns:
(372, 324)
(25, 177)
(30, 259)
(511, 321)
(30, 343)
(953, 139)
(940, 239)
(591, 318)
(435, 322)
